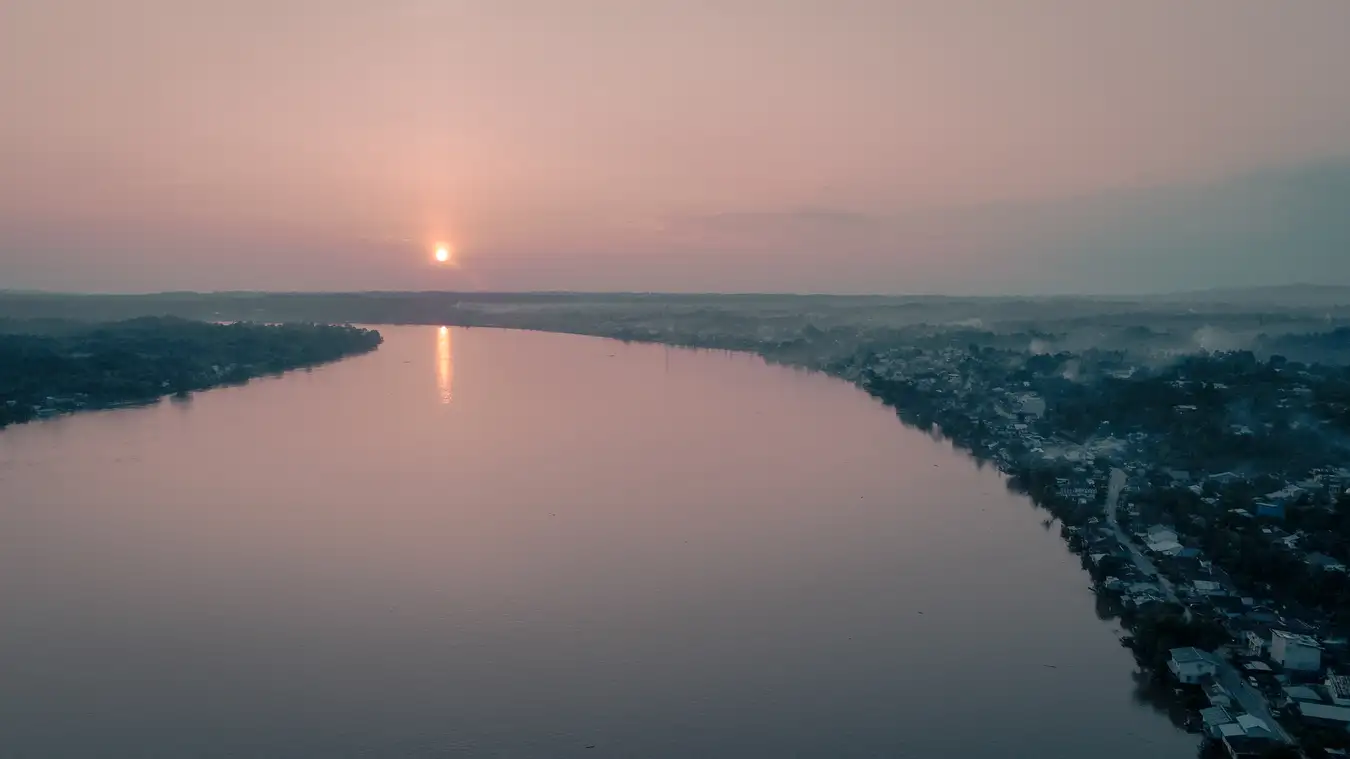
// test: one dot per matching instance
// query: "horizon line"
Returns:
(1221, 290)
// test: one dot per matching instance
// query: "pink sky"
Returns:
(846, 146)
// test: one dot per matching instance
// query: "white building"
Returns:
(1295, 652)
(1160, 534)
(1254, 727)
(1161, 540)
(1191, 665)
(1166, 549)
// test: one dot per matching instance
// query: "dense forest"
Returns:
(53, 366)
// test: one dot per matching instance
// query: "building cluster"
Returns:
(1146, 554)
(1213, 485)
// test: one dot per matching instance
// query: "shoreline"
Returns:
(1146, 620)
(81, 367)
(934, 386)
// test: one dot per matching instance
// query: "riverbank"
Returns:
(54, 367)
(1230, 527)
(1152, 558)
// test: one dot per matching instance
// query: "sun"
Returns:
(443, 253)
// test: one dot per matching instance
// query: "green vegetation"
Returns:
(1159, 630)
(51, 366)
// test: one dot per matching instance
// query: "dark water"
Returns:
(498, 544)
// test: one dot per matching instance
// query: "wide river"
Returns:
(485, 543)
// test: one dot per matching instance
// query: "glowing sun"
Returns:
(443, 254)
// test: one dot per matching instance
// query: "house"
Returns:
(1294, 651)
(1162, 540)
(1214, 718)
(1242, 746)
(1191, 665)
(1302, 693)
(1255, 727)
(1302, 628)
(1141, 599)
(1338, 687)
(1326, 713)
(1217, 695)
(1158, 533)
(1171, 548)
(1285, 495)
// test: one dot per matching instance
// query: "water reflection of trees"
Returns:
(1107, 608)
(1161, 697)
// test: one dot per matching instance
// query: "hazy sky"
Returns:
(800, 145)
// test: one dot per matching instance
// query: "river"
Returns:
(487, 543)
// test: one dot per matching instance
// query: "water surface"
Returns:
(511, 544)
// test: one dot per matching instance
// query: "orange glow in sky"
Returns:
(936, 146)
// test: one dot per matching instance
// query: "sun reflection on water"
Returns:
(445, 365)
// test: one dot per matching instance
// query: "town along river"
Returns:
(487, 543)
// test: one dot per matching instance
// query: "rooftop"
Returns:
(1339, 685)
(1323, 711)
(1241, 745)
(1215, 715)
(1252, 724)
(1295, 638)
(1188, 654)
(1303, 693)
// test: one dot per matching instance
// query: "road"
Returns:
(1113, 489)
(1252, 701)
(1250, 698)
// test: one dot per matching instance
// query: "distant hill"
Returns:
(1285, 296)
